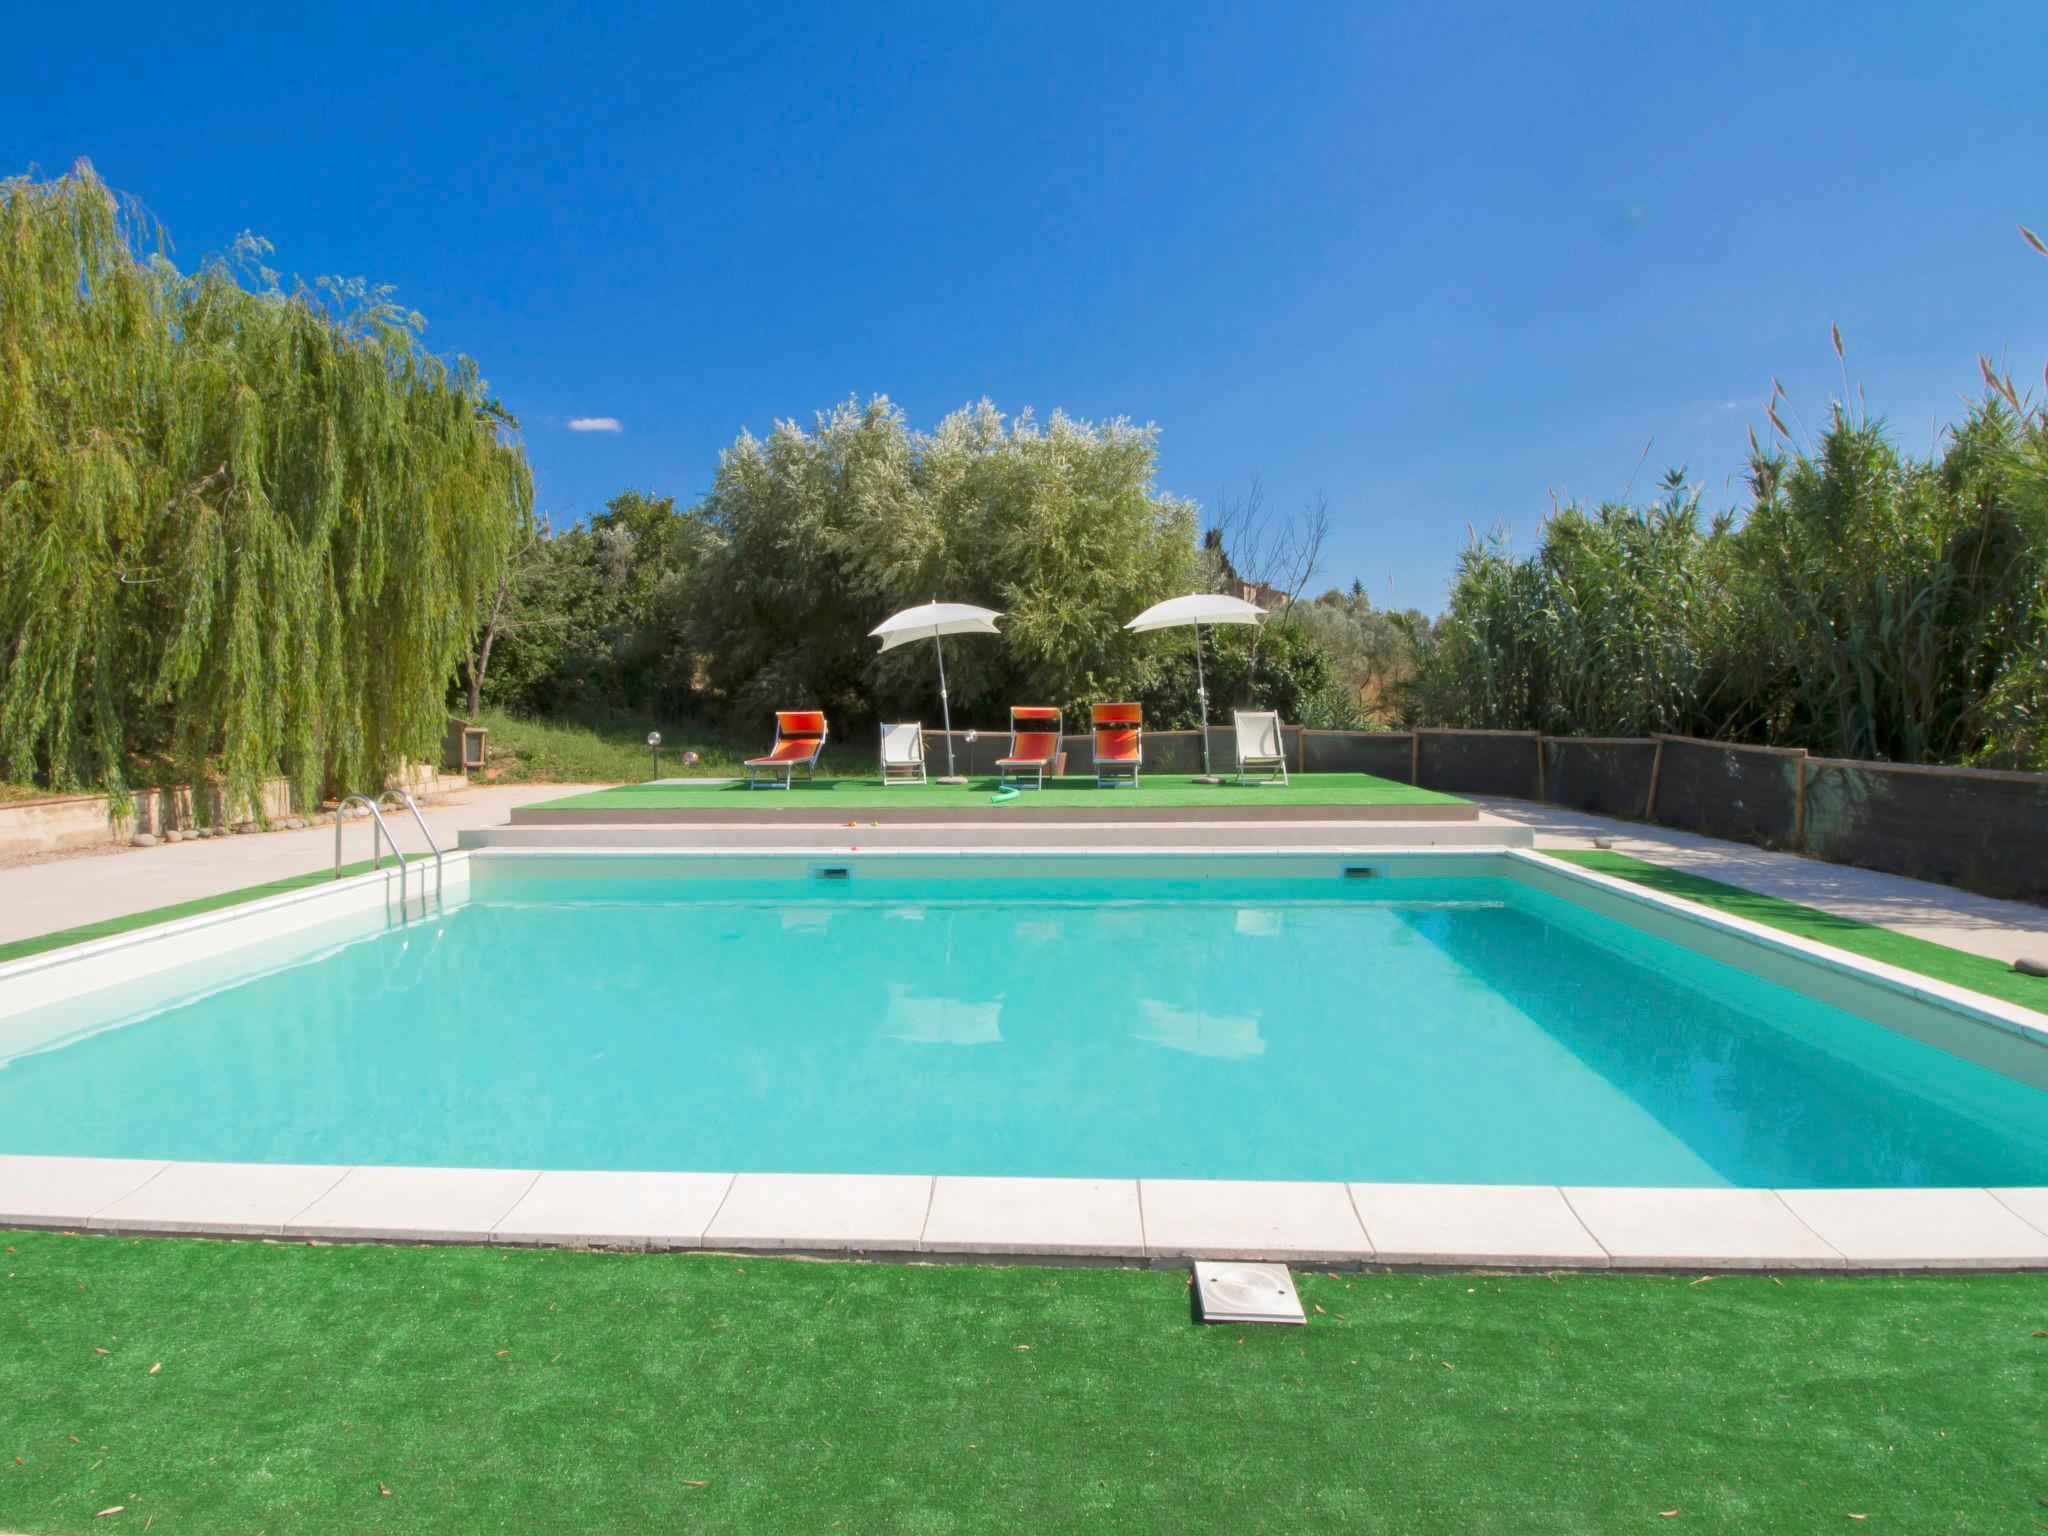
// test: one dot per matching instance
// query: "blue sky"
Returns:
(1428, 261)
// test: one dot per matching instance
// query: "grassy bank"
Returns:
(1994, 978)
(528, 751)
(247, 1386)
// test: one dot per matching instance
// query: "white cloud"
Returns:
(596, 424)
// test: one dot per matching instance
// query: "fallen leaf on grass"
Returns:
(1319, 1311)
(2041, 1333)
(1023, 1346)
(1859, 1517)
(115, 1510)
(691, 1482)
(1704, 1280)
(383, 1490)
(97, 1350)
(502, 1353)
(1666, 1514)
(155, 1368)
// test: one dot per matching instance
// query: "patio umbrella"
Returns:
(1197, 609)
(929, 621)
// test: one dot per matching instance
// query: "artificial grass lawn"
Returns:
(1176, 790)
(106, 928)
(1955, 966)
(490, 1389)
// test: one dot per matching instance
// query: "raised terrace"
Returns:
(1349, 809)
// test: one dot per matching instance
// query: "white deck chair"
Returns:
(903, 754)
(1260, 748)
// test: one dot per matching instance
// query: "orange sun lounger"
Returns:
(1035, 731)
(799, 738)
(1119, 732)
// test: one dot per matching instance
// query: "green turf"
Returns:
(1156, 789)
(534, 1391)
(106, 928)
(1957, 967)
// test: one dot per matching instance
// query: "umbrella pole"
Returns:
(1202, 695)
(945, 706)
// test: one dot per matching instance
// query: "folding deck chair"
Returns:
(903, 754)
(1260, 748)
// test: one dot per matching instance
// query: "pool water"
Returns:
(1461, 1029)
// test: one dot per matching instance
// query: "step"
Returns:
(1483, 831)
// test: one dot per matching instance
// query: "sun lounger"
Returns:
(1119, 745)
(1034, 745)
(799, 738)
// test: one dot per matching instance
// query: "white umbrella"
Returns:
(928, 621)
(1197, 609)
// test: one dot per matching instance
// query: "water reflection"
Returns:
(923, 1019)
(1231, 1036)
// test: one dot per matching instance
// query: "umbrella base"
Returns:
(950, 778)
(1207, 778)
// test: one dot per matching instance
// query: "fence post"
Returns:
(1799, 804)
(1415, 757)
(1656, 772)
(1542, 772)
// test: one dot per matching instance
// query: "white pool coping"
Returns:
(1161, 1222)
(1151, 1221)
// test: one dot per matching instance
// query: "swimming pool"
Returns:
(1437, 1019)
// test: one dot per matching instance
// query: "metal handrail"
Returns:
(380, 834)
(380, 837)
(421, 822)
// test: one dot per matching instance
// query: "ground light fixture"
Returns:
(654, 746)
(1236, 1291)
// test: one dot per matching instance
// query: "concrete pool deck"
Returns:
(46, 892)
(1940, 914)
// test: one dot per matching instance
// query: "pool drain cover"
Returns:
(1246, 1293)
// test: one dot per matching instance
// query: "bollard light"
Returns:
(654, 746)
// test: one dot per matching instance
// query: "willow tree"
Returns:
(243, 527)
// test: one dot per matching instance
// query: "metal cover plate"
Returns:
(1233, 1292)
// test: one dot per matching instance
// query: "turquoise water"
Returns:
(1463, 1029)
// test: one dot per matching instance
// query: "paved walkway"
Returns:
(1981, 925)
(46, 892)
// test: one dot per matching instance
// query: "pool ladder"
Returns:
(380, 837)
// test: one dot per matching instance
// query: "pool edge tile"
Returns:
(1695, 1229)
(1053, 1217)
(1282, 1221)
(823, 1212)
(220, 1199)
(104, 1181)
(638, 1210)
(1477, 1226)
(441, 1205)
(2028, 1202)
(1961, 1228)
